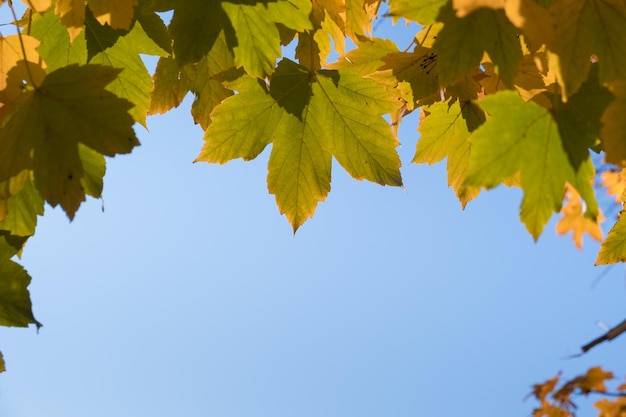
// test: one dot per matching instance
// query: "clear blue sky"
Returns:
(190, 296)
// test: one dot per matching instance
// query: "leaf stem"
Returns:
(31, 79)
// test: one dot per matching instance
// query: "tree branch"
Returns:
(610, 335)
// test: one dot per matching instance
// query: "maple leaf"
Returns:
(22, 210)
(258, 39)
(613, 131)
(615, 183)
(574, 220)
(594, 379)
(423, 12)
(70, 107)
(579, 119)
(445, 133)
(462, 42)
(530, 144)
(418, 69)
(2, 366)
(118, 14)
(15, 304)
(582, 29)
(72, 14)
(39, 6)
(194, 28)
(608, 408)
(613, 249)
(308, 118)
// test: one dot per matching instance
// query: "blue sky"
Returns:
(189, 295)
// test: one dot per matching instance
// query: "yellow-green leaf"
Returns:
(462, 42)
(613, 249)
(444, 133)
(530, 144)
(423, 12)
(585, 28)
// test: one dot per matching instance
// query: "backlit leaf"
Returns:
(423, 12)
(574, 221)
(70, 107)
(615, 183)
(72, 13)
(118, 14)
(462, 41)
(23, 209)
(444, 133)
(584, 28)
(613, 131)
(613, 249)
(530, 144)
(39, 6)
(15, 305)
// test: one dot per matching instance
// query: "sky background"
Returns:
(190, 296)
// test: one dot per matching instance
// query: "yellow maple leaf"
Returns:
(39, 6)
(615, 183)
(72, 14)
(118, 14)
(575, 221)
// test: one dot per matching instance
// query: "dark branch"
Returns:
(610, 335)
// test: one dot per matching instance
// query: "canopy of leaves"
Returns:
(518, 92)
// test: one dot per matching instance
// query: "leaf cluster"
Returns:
(513, 92)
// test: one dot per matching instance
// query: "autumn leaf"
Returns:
(613, 249)
(118, 14)
(613, 130)
(462, 42)
(2, 366)
(15, 304)
(615, 183)
(258, 40)
(444, 133)
(423, 12)
(530, 144)
(70, 107)
(583, 29)
(22, 211)
(574, 220)
(611, 408)
(39, 6)
(308, 118)
(72, 14)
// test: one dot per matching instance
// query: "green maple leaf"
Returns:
(583, 28)
(309, 117)
(462, 41)
(244, 124)
(444, 133)
(70, 107)
(258, 39)
(15, 304)
(530, 144)
(22, 210)
(153, 25)
(423, 12)
(61, 52)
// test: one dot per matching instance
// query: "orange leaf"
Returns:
(615, 184)
(594, 380)
(575, 221)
